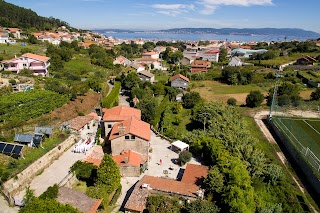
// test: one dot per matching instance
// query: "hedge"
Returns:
(112, 99)
(159, 110)
(116, 196)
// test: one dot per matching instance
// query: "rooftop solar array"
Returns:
(11, 149)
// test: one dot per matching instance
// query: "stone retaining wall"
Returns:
(16, 184)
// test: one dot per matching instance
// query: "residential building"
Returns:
(179, 81)
(118, 114)
(129, 162)
(211, 55)
(148, 61)
(235, 62)
(4, 37)
(186, 61)
(131, 134)
(152, 54)
(81, 125)
(189, 188)
(306, 60)
(200, 66)
(122, 61)
(246, 53)
(146, 76)
(37, 63)
(15, 32)
(159, 49)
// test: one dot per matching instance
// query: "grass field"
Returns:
(7, 52)
(303, 134)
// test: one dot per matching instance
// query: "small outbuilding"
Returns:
(179, 146)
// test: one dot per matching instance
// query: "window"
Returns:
(133, 137)
(109, 126)
(127, 137)
(24, 65)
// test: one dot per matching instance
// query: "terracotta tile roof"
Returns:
(94, 115)
(145, 59)
(198, 69)
(78, 200)
(150, 53)
(13, 30)
(37, 34)
(95, 155)
(212, 52)
(78, 122)
(128, 158)
(37, 57)
(194, 174)
(120, 113)
(308, 58)
(179, 76)
(200, 63)
(132, 126)
(138, 198)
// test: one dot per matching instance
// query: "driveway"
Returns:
(123, 100)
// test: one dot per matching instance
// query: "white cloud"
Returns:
(173, 6)
(211, 5)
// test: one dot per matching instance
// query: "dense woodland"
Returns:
(15, 16)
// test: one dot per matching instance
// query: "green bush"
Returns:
(50, 193)
(254, 98)
(116, 195)
(232, 101)
(184, 157)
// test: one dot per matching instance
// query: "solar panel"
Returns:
(17, 150)
(2, 145)
(8, 149)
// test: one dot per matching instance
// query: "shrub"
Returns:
(83, 170)
(232, 101)
(116, 195)
(12, 81)
(50, 193)
(315, 95)
(184, 157)
(254, 98)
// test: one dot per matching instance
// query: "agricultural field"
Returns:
(216, 91)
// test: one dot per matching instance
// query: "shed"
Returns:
(179, 146)
(43, 130)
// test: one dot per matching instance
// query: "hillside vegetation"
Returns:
(15, 16)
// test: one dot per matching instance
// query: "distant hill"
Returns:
(230, 31)
(15, 16)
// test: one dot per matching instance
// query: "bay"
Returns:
(196, 37)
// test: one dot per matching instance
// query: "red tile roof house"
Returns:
(179, 81)
(126, 131)
(200, 66)
(188, 188)
(81, 123)
(37, 63)
(129, 162)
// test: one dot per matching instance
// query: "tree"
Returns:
(201, 206)
(83, 170)
(215, 180)
(184, 157)
(223, 55)
(273, 173)
(131, 80)
(232, 101)
(29, 196)
(108, 174)
(148, 106)
(173, 92)
(315, 95)
(254, 98)
(191, 99)
(163, 204)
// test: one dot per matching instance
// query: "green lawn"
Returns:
(8, 52)
(282, 59)
(161, 78)
(81, 65)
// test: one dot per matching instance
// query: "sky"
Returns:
(166, 14)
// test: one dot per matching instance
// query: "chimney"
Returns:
(126, 159)
(121, 129)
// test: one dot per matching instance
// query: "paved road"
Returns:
(55, 172)
(123, 100)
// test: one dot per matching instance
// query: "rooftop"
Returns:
(78, 122)
(120, 113)
(78, 200)
(179, 76)
(95, 155)
(37, 57)
(146, 73)
(132, 126)
(128, 158)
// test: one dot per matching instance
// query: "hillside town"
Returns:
(94, 123)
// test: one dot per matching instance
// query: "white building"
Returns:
(235, 62)
(211, 55)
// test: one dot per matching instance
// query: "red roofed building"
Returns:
(189, 187)
(81, 123)
(131, 134)
(179, 81)
(129, 163)
(211, 55)
(152, 54)
(200, 66)
(118, 114)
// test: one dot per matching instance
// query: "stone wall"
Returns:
(130, 171)
(138, 145)
(16, 184)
